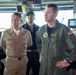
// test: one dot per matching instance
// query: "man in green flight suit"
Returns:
(56, 44)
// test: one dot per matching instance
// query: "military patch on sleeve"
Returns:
(69, 32)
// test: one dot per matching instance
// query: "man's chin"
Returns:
(45, 20)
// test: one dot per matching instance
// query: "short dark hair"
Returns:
(17, 14)
(55, 8)
(30, 12)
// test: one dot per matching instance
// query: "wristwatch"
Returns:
(69, 62)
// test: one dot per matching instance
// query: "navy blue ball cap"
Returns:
(30, 12)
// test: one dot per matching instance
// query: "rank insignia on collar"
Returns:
(45, 34)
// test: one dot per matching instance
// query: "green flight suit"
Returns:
(59, 45)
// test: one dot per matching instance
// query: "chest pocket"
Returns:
(9, 41)
(54, 38)
(25, 39)
(57, 36)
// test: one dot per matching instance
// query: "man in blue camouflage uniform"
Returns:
(32, 53)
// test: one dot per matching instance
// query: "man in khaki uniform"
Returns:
(14, 42)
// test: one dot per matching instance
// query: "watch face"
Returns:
(69, 62)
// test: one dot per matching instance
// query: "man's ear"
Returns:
(34, 18)
(55, 15)
(21, 21)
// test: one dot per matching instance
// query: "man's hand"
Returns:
(62, 64)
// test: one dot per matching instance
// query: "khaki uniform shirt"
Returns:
(13, 45)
